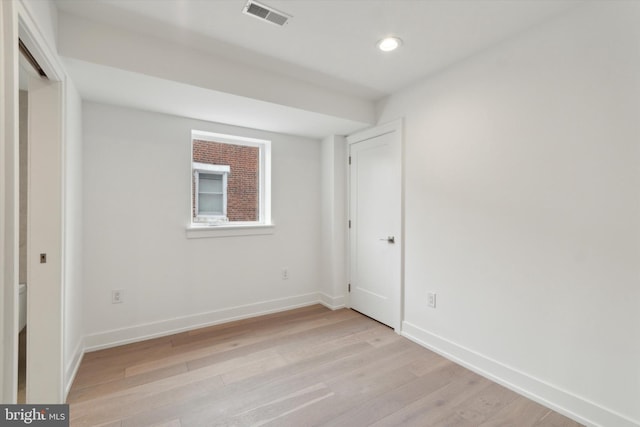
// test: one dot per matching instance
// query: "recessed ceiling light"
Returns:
(389, 43)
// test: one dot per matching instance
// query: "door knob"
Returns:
(390, 239)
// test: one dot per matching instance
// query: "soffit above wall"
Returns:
(135, 90)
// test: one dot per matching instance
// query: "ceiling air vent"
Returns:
(265, 13)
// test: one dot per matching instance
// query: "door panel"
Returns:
(44, 233)
(375, 213)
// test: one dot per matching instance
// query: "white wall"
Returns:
(73, 260)
(333, 283)
(136, 207)
(523, 212)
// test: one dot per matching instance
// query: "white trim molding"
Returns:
(248, 229)
(206, 167)
(549, 395)
(333, 303)
(72, 367)
(9, 201)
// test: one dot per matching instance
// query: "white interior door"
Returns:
(376, 224)
(44, 290)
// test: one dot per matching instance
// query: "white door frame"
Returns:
(9, 235)
(18, 22)
(395, 127)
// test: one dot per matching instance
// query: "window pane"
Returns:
(243, 179)
(210, 204)
(210, 183)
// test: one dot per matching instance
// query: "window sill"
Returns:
(208, 231)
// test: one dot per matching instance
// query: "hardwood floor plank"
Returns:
(110, 424)
(253, 369)
(282, 317)
(363, 332)
(172, 423)
(248, 392)
(230, 346)
(108, 365)
(432, 407)
(397, 398)
(246, 395)
(305, 367)
(522, 411)
(261, 329)
(277, 409)
(122, 405)
(348, 392)
(158, 415)
(554, 419)
(88, 391)
(429, 362)
(351, 385)
(479, 407)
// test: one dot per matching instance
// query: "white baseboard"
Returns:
(72, 367)
(116, 337)
(333, 303)
(564, 402)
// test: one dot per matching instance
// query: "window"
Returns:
(230, 181)
(210, 192)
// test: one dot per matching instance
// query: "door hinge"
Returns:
(349, 287)
(349, 159)
(349, 223)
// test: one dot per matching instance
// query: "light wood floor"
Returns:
(306, 367)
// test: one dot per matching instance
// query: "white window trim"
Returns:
(206, 167)
(264, 225)
(242, 229)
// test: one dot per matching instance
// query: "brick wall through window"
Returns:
(242, 181)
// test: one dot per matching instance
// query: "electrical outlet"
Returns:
(431, 299)
(285, 274)
(117, 296)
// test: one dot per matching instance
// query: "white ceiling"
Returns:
(330, 43)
